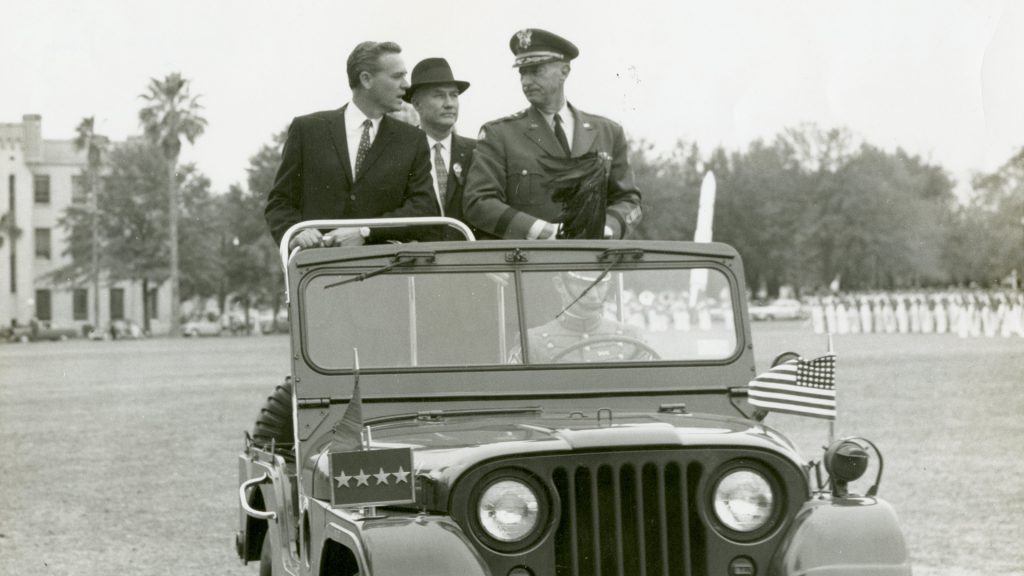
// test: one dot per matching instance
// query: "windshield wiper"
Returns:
(440, 415)
(616, 256)
(400, 259)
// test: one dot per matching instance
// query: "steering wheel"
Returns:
(640, 348)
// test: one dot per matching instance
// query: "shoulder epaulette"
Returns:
(512, 116)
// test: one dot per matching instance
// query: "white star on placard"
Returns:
(401, 476)
(362, 479)
(382, 477)
(343, 479)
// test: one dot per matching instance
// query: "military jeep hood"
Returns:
(444, 448)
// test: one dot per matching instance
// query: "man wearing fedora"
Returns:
(434, 93)
(355, 162)
(508, 191)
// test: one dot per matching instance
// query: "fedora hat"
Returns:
(431, 72)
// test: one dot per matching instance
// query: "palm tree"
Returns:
(170, 113)
(94, 146)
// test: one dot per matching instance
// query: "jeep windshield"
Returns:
(418, 316)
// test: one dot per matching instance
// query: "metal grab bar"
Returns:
(258, 514)
(358, 223)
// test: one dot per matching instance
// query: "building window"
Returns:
(81, 304)
(78, 188)
(41, 188)
(117, 303)
(43, 310)
(152, 303)
(43, 243)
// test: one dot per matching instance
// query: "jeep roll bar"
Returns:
(358, 223)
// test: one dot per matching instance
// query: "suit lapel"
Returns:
(538, 131)
(584, 133)
(455, 176)
(384, 133)
(339, 138)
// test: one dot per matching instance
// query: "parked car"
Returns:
(38, 331)
(485, 408)
(778, 309)
(202, 327)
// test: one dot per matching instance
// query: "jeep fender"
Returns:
(843, 536)
(422, 545)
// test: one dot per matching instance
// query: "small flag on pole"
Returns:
(348, 432)
(799, 386)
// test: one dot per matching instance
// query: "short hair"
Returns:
(365, 57)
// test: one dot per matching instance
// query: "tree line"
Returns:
(809, 207)
(813, 206)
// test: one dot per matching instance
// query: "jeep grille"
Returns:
(630, 512)
(627, 518)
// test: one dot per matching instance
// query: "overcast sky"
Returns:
(942, 79)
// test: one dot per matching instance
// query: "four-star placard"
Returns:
(372, 477)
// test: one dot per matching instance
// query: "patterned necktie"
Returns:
(560, 135)
(442, 173)
(364, 146)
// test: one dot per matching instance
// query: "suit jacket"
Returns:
(461, 156)
(507, 190)
(315, 178)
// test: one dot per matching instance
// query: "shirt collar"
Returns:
(564, 112)
(354, 117)
(446, 143)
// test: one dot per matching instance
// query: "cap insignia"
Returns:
(524, 38)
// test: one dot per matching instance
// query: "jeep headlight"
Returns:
(743, 500)
(508, 510)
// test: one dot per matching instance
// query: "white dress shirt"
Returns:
(446, 155)
(354, 119)
(568, 122)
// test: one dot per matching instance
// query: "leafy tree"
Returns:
(670, 185)
(170, 114)
(988, 243)
(95, 146)
(258, 276)
(132, 227)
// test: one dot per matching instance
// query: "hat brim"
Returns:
(462, 86)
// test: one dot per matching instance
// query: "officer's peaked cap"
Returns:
(535, 46)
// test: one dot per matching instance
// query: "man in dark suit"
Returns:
(355, 162)
(434, 93)
(507, 194)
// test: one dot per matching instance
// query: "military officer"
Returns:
(507, 193)
(582, 333)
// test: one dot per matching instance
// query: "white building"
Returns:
(38, 180)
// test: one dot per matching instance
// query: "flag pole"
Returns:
(831, 423)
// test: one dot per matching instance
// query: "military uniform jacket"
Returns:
(507, 190)
(315, 178)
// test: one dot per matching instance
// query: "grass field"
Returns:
(120, 457)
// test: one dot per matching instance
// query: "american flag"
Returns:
(800, 386)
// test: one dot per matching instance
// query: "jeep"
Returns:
(521, 408)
